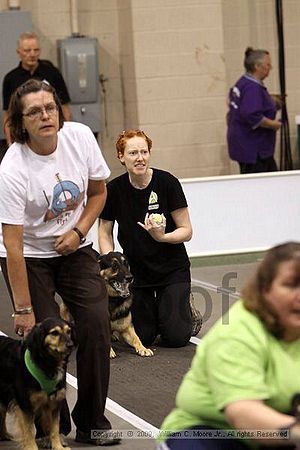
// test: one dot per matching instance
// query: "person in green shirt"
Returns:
(245, 372)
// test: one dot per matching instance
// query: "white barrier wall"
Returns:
(240, 213)
(243, 213)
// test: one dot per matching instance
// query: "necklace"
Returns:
(145, 182)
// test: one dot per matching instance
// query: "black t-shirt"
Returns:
(152, 263)
(44, 71)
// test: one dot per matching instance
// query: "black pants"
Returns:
(76, 279)
(164, 311)
(261, 165)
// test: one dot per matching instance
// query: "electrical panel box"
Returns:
(78, 61)
(87, 113)
(12, 24)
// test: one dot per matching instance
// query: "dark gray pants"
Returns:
(76, 279)
(261, 165)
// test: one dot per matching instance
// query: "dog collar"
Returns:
(47, 384)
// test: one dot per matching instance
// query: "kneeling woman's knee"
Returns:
(147, 336)
(173, 339)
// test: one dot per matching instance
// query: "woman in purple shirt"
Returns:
(252, 122)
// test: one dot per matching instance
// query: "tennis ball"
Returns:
(156, 218)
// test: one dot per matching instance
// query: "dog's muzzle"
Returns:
(119, 288)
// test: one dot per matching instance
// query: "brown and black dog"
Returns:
(114, 269)
(33, 381)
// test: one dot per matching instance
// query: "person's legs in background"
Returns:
(261, 165)
(268, 165)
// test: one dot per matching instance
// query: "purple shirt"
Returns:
(249, 103)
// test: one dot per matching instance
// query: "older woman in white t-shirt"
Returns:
(52, 190)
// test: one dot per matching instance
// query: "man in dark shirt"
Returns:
(31, 66)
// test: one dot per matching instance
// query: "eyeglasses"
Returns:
(37, 113)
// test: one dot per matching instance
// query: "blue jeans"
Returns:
(187, 443)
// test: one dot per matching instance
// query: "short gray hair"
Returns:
(27, 35)
(252, 57)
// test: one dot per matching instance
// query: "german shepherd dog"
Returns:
(33, 380)
(115, 271)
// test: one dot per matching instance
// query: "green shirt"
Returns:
(238, 359)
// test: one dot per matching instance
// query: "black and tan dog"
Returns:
(115, 271)
(33, 381)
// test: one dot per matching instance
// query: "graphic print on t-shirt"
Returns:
(153, 201)
(66, 197)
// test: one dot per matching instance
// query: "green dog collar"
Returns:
(47, 384)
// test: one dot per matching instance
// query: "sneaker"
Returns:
(45, 443)
(104, 438)
(196, 317)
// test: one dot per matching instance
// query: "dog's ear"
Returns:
(124, 260)
(35, 339)
(104, 261)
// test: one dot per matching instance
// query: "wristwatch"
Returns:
(81, 236)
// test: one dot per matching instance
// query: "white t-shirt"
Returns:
(47, 194)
